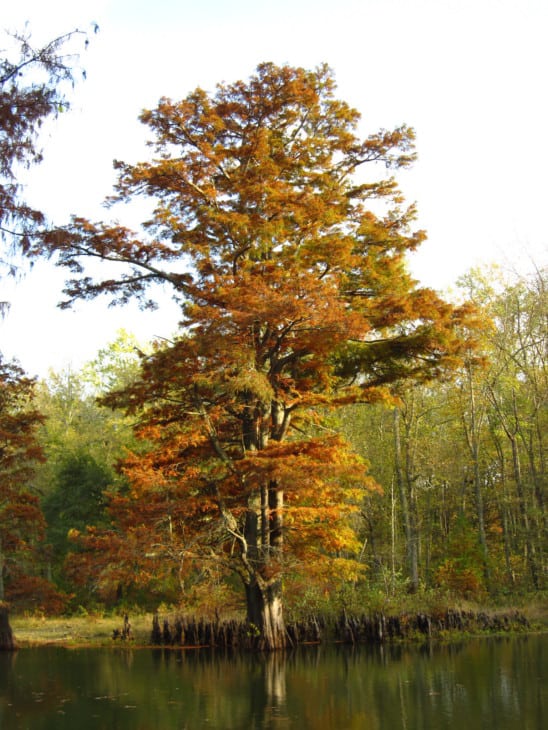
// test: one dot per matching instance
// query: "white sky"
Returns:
(468, 75)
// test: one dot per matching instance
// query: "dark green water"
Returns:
(490, 683)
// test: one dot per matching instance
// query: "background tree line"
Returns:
(462, 463)
(461, 466)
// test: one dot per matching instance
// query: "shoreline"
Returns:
(97, 631)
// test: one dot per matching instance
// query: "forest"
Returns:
(321, 433)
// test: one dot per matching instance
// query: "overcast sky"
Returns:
(468, 75)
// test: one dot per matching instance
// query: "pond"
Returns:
(480, 684)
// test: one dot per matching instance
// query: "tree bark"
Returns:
(7, 642)
(264, 594)
(472, 431)
(408, 518)
(529, 545)
(2, 561)
(265, 614)
(512, 431)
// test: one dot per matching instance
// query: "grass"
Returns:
(91, 630)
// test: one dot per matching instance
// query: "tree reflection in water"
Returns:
(478, 685)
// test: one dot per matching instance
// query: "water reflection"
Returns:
(480, 684)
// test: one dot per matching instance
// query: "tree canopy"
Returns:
(283, 235)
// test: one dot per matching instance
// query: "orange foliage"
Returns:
(36, 594)
(463, 581)
(286, 247)
(21, 521)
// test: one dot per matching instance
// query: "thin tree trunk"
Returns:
(538, 513)
(392, 534)
(502, 504)
(480, 512)
(512, 431)
(472, 432)
(410, 484)
(529, 546)
(408, 522)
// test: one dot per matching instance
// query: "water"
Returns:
(483, 684)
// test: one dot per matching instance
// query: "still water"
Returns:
(489, 683)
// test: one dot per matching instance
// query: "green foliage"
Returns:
(76, 500)
(76, 424)
(23, 554)
(479, 438)
(83, 440)
(115, 366)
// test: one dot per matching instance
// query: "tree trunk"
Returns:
(264, 544)
(512, 431)
(408, 516)
(529, 545)
(2, 561)
(502, 500)
(480, 514)
(7, 642)
(265, 614)
(472, 431)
